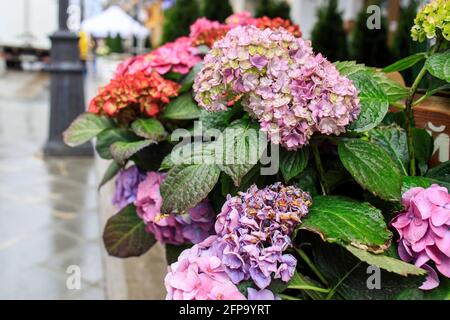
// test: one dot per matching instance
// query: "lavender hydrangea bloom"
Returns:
(292, 92)
(127, 183)
(255, 228)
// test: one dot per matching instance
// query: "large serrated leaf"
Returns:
(125, 236)
(387, 263)
(186, 83)
(182, 108)
(439, 65)
(149, 128)
(440, 172)
(187, 185)
(372, 168)
(347, 68)
(393, 140)
(85, 127)
(346, 221)
(122, 151)
(422, 182)
(292, 163)
(242, 146)
(373, 100)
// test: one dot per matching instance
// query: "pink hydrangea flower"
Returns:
(242, 18)
(203, 25)
(199, 275)
(289, 90)
(191, 227)
(178, 56)
(424, 229)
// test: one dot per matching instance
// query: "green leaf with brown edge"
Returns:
(125, 236)
(85, 127)
(186, 185)
(292, 163)
(182, 108)
(346, 221)
(110, 173)
(149, 128)
(372, 168)
(122, 151)
(387, 263)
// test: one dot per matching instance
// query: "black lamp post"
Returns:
(66, 88)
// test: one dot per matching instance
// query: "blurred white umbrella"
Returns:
(114, 21)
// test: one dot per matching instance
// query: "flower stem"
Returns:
(409, 102)
(311, 265)
(333, 291)
(319, 167)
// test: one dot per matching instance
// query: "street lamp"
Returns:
(66, 88)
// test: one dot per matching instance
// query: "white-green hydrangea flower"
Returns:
(432, 20)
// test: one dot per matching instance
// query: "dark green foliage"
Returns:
(328, 35)
(403, 46)
(179, 18)
(115, 44)
(273, 9)
(369, 46)
(217, 10)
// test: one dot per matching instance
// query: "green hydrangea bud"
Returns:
(432, 20)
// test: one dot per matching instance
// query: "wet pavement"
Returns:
(48, 206)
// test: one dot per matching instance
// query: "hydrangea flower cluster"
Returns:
(127, 182)
(255, 228)
(424, 229)
(206, 32)
(292, 92)
(178, 56)
(432, 20)
(199, 275)
(275, 23)
(191, 227)
(146, 93)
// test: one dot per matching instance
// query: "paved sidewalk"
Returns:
(48, 207)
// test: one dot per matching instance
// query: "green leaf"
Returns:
(387, 263)
(311, 288)
(216, 120)
(187, 82)
(439, 65)
(187, 185)
(182, 108)
(405, 63)
(347, 68)
(373, 100)
(345, 221)
(242, 146)
(85, 127)
(110, 173)
(440, 172)
(423, 147)
(433, 90)
(125, 234)
(423, 182)
(110, 136)
(122, 151)
(149, 128)
(372, 168)
(292, 163)
(393, 140)
(335, 262)
(393, 90)
(174, 251)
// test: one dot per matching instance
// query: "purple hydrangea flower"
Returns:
(127, 183)
(289, 90)
(255, 228)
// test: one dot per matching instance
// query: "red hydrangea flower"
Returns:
(147, 93)
(266, 22)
